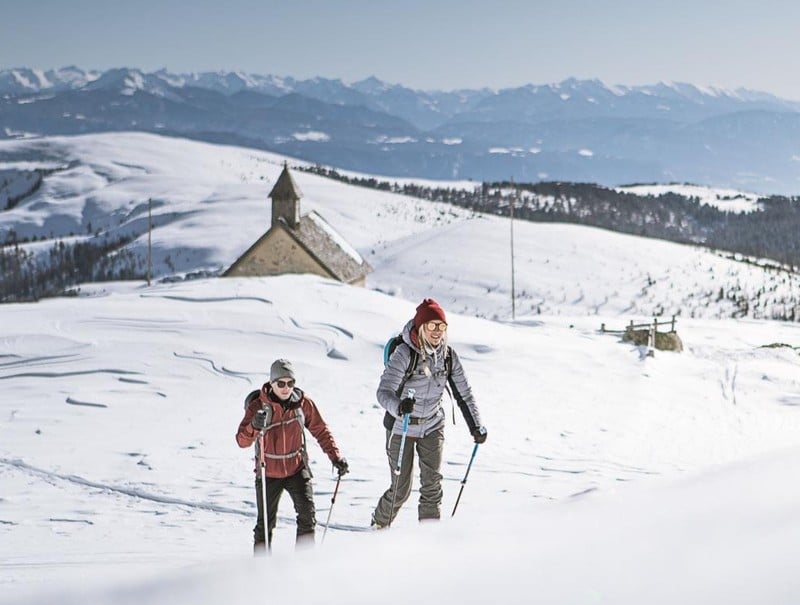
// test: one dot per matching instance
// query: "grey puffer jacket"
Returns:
(428, 381)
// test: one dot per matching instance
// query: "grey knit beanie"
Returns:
(281, 368)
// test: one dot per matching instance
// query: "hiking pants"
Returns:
(429, 449)
(299, 488)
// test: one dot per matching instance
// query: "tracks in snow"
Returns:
(131, 492)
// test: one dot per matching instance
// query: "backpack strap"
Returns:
(250, 397)
(412, 366)
(459, 399)
(448, 365)
(301, 419)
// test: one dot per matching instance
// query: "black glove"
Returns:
(261, 419)
(406, 406)
(342, 466)
(479, 434)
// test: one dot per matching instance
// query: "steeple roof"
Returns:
(285, 187)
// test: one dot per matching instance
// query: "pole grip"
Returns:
(402, 444)
(409, 393)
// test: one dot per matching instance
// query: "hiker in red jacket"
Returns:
(276, 416)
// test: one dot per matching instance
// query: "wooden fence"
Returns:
(648, 334)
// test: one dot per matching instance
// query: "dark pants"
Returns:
(299, 488)
(429, 448)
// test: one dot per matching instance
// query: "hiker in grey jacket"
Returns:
(437, 365)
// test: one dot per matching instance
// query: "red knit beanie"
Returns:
(428, 310)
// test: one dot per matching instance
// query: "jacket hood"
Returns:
(410, 337)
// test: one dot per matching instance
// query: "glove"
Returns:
(260, 420)
(479, 434)
(406, 406)
(342, 466)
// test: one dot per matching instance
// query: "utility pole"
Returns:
(511, 213)
(149, 239)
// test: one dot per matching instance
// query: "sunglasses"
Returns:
(282, 384)
(436, 326)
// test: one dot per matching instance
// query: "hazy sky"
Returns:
(443, 44)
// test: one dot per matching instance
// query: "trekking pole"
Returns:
(264, 509)
(262, 455)
(410, 393)
(464, 480)
(330, 510)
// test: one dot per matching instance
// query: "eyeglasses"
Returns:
(436, 326)
(282, 384)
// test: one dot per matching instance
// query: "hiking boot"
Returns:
(374, 525)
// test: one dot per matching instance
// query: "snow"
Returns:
(21, 79)
(394, 140)
(28, 100)
(608, 476)
(312, 135)
(730, 200)
(340, 241)
(134, 80)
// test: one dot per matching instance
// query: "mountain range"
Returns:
(575, 130)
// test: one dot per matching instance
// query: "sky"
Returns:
(445, 45)
(607, 475)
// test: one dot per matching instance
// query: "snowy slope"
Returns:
(729, 200)
(210, 204)
(118, 413)
(209, 201)
(608, 476)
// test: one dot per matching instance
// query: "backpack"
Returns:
(388, 349)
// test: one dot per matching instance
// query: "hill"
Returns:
(607, 474)
(209, 204)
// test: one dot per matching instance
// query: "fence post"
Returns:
(651, 339)
(655, 331)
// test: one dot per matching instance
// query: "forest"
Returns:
(771, 232)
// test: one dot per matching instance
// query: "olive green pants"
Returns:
(429, 449)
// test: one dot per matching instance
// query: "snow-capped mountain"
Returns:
(576, 130)
(26, 80)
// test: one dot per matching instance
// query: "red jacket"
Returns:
(283, 439)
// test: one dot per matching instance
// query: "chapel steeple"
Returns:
(285, 197)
